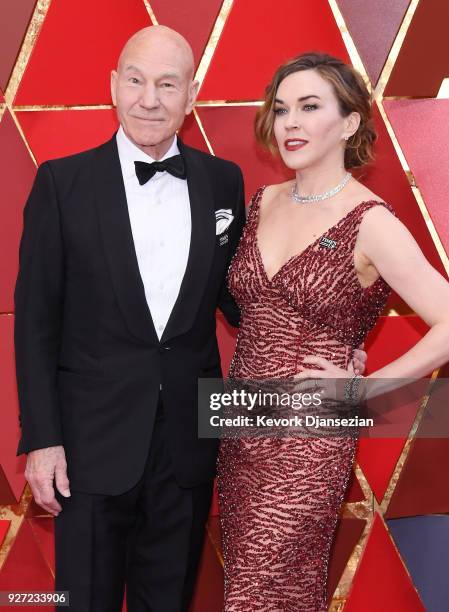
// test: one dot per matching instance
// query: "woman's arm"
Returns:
(391, 248)
(386, 243)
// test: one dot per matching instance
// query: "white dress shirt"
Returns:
(161, 226)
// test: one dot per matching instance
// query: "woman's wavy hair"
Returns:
(352, 95)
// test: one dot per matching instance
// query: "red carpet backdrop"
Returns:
(55, 60)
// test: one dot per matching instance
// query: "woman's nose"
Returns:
(291, 121)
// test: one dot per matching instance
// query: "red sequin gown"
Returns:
(280, 497)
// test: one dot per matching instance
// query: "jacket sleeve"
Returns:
(38, 301)
(226, 303)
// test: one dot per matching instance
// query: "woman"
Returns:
(315, 266)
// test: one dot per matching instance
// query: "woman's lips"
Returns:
(294, 144)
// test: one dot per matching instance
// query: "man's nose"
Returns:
(150, 97)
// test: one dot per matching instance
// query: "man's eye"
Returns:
(167, 85)
(280, 111)
(309, 107)
(134, 80)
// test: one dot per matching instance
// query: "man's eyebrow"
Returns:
(131, 67)
(170, 75)
(302, 99)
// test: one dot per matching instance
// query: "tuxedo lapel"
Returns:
(118, 242)
(202, 245)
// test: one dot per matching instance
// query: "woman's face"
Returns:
(308, 126)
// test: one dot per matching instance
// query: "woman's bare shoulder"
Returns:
(273, 191)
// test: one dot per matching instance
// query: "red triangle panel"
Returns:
(422, 128)
(12, 32)
(17, 172)
(12, 466)
(423, 60)
(381, 581)
(258, 36)
(43, 530)
(53, 134)
(4, 526)
(25, 568)
(422, 487)
(373, 21)
(194, 20)
(347, 536)
(78, 46)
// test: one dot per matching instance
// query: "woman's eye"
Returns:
(309, 107)
(280, 111)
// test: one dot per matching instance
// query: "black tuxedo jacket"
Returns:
(89, 362)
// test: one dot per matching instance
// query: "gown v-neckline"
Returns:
(295, 256)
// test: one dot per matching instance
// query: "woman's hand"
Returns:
(324, 378)
(327, 369)
(358, 363)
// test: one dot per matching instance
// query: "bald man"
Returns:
(122, 266)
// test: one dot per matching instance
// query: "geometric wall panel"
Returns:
(347, 535)
(354, 492)
(12, 31)
(43, 530)
(381, 581)
(258, 36)
(191, 135)
(423, 542)
(423, 485)
(369, 21)
(387, 179)
(194, 20)
(25, 567)
(422, 129)
(12, 466)
(230, 132)
(4, 526)
(392, 337)
(377, 458)
(68, 65)
(17, 172)
(423, 60)
(7, 497)
(52, 134)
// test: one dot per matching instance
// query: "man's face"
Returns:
(153, 92)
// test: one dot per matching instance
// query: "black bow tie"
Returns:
(174, 165)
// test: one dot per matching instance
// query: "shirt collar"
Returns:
(129, 153)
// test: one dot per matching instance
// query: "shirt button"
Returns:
(161, 286)
(161, 328)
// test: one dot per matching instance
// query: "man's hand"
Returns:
(358, 363)
(44, 465)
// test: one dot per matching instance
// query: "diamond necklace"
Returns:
(317, 197)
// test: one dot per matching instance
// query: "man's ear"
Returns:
(114, 77)
(193, 93)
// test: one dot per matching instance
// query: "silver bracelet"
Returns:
(352, 385)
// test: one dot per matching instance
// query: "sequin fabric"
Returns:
(280, 496)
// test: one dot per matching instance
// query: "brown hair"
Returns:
(352, 95)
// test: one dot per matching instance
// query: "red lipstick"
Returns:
(294, 144)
